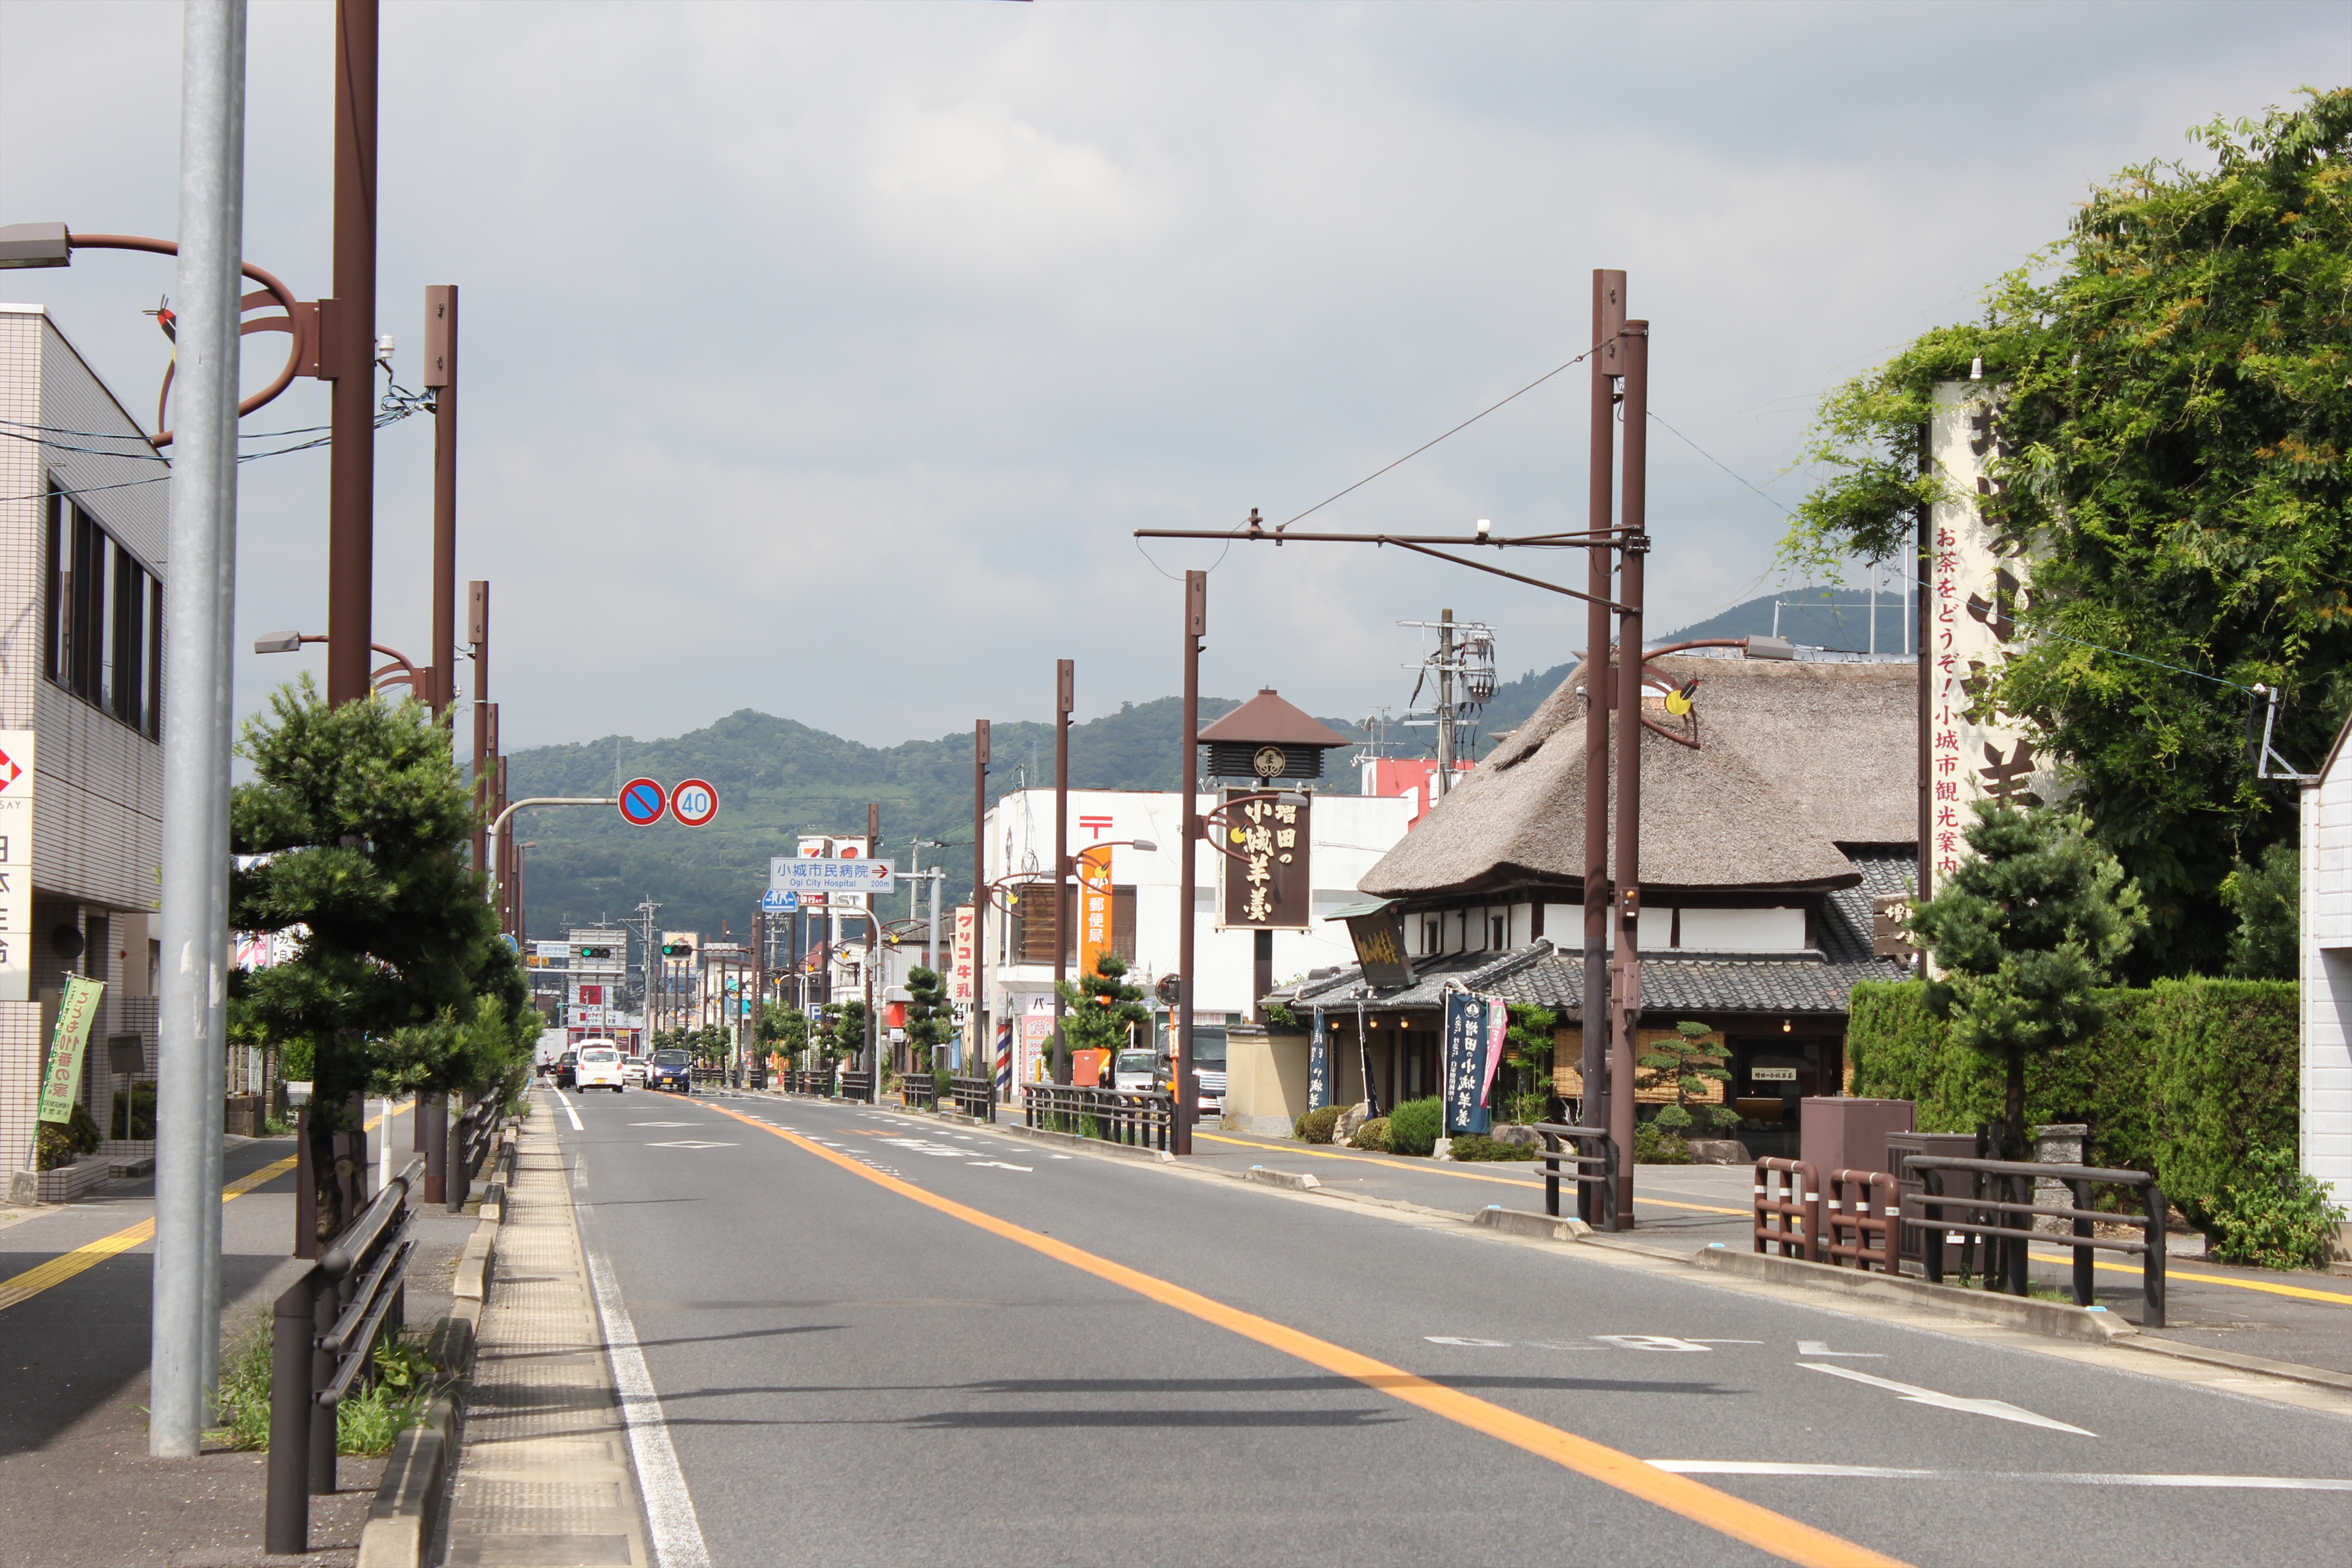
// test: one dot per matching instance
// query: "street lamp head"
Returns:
(1290, 797)
(1146, 845)
(35, 245)
(278, 643)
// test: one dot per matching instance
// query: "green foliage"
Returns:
(486, 1054)
(2275, 1216)
(1412, 1126)
(1523, 1085)
(1687, 1064)
(1654, 1145)
(1279, 1015)
(1478, 1146)
(1372, 1135)
(244, 1404)
(786, 1029)
(61, 1143)
(2172, 451)
(2184, 1079)
(847, 1035)
(1318, 1126)
(2267, 898)
(399, 1385)
(141, 1121)
(1101, 1010)
(2027, 930)
(930, 1018)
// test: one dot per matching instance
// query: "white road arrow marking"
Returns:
(1649, 1342)
(1821, 1347)
(1999, 1408)
(1450, 1339)
(689, 1144)
(997, 1165)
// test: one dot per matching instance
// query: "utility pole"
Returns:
(347, 349)
(977, 1023)
(441, 379)
(1634, 542)
(1064, 698)
(1608, 318)
(873, 959)
(185, 1338)
(477, 632)
(1196, 628)
(1444, 705)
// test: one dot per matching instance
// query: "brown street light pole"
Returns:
(347, 345)
(1196, 628)
(441, 378)
(1608, 312)
(477, 632)
(872, 957)
(1065, 688)
(1635, 541)
(984, 1052)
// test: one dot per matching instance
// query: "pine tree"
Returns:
(1101, 1009)
(2026, 931)
(930, 1018)
(1687, 1064)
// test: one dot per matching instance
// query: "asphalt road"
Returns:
(998, 1352)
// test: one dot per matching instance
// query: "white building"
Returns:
(82, 506)
(2326, 1100)
(1348, 835)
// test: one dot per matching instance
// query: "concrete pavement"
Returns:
(878, 1338)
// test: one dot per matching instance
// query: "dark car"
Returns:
(566, 1070)
(671, 1070)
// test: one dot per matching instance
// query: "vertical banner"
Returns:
(1498, 1028)
(1270, 885)
(15, 865)
(1095, 933)
(1976, 753)
(1465, 1064)
(1036, 1041)
(962, 961)
(61, 1084)
(1319, 1065)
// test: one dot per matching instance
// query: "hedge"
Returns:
(2186, 1079)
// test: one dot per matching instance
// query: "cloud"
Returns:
(821, 359)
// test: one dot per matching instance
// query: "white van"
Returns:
(600, 1066)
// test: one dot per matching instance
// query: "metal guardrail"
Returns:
(1553, 1157)
(857, 1085)
(707, 1075)
(2000, 1193)
(1788, 1209)
(470, 1142)
(975, 1097)
(323, 1329)
(919, 1092)
(1136, 1118)
(1860, 1203)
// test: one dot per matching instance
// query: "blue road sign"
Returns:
(774, 903)
(643, 801)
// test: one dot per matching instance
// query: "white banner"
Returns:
(15, 865)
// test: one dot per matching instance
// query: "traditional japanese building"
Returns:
(1773, 813)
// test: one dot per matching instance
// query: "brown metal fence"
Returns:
(1788, 1209)
(1861, 1203)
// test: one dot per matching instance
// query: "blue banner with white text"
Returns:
(1465, 1064)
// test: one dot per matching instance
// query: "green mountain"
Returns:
(778, 779)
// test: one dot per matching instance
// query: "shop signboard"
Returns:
(1466, 1063)
(15, 865)
(77, 1011)
(1267, 887)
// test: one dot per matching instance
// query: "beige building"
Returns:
(82, 504)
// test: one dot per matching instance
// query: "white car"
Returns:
(600, 1067)
(633, 1072)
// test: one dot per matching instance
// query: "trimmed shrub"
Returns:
(1412, 1126)
(1318, 1126)
(2273, 1216)
(1479, 1146)
(1654, 1145)
(1372, 1135)
(2188, 1078)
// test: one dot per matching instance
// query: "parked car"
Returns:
(672, 1070)
(566, 1070)
(1209, 1066)
(1138, 1070)
(599, 1067)
(633, 1072)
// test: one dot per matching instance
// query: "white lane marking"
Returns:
(1060, 1156)
(1727, 1342)
(997, 1165)
(1450, 1339)
(666, 1123)
(568, 1111)
(1879, 1472)
(1657, 1341)
(1999, 1409)
(670, 1508)
(690, 1144)
(1821, 1347)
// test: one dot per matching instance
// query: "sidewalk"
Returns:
(76, 1487)
(544, 1477)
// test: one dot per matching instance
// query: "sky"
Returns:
(823, 359)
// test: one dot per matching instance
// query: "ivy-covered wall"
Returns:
(2186, 1079)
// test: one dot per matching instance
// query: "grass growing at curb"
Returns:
(401, 1383)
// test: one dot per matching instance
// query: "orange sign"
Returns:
(1095, 933)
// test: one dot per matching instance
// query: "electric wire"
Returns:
(397, 405)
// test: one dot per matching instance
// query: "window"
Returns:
(1430, 940)
(101, 618)
(1498, 931)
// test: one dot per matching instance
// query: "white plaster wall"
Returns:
(1735, 930)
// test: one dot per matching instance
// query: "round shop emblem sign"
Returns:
(1271, 762)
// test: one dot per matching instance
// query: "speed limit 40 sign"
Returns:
(694, 802)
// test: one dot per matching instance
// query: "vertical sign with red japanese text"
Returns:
(1267, 886)
(962, 961)
(15, 865)
(1980, 581)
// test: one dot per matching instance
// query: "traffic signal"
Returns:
(594, 952)
(680, 948)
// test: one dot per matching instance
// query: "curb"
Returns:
(1092, 1146)
(1294, 1180)
(2294, 1371)
(2057, 1319)
(1520, 1222)
(406, 1513)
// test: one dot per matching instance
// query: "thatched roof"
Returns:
(1794, 759)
